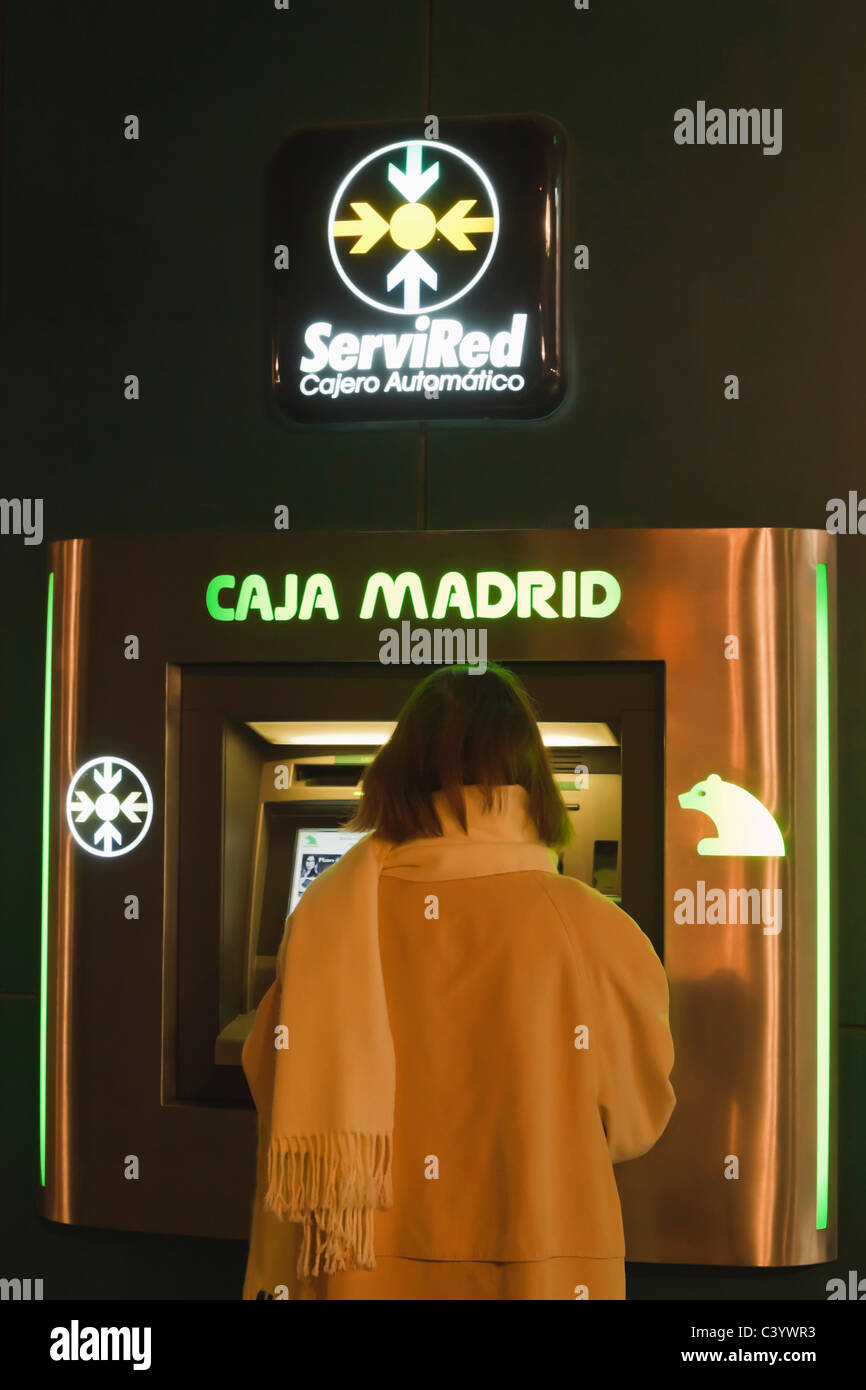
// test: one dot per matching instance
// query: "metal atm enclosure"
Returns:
(706, 654)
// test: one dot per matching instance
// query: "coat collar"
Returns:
(501, 840)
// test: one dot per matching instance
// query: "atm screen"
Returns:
(316, 850)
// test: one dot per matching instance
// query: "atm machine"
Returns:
(287, 786)
(306, 796)
(211, 705)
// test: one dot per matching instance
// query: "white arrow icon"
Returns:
(108, 840)
(131, 805)
(411, 271)
(104, 779)
(83, 807)
(107, 832)
(413, 184)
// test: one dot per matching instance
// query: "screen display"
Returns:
(316, 850)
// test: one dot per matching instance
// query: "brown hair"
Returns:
(460, 729)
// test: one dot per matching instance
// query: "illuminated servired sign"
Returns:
(418, 278)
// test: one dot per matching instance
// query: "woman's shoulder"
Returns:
(574, 893)
(586, 908)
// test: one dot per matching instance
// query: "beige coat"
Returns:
(530, 1023)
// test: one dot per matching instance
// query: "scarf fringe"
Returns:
(331, 1183)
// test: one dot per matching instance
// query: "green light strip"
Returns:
(46, 796)
(822, 894)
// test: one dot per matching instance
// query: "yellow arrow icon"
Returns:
(368, 228)
(454, 224)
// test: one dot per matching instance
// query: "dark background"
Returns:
(147, 257)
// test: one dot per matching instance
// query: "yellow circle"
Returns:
(412, 226)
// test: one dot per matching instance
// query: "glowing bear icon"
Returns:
(743, 824)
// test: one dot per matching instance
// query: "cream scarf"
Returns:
(320, 1058)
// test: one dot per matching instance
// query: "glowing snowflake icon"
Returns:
(112, 800)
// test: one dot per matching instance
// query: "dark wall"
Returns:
(147, 257)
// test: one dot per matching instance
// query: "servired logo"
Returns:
(393, 240)
(418, 278)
